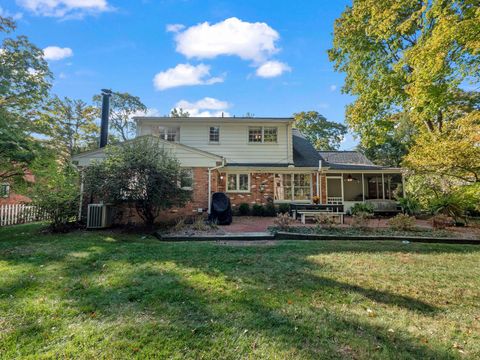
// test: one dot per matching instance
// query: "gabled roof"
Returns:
(304, 154)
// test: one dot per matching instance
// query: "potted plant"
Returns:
(316, 199)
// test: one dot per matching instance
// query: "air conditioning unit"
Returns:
(99, 216)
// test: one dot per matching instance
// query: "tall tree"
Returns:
(123, 106)
(24, 85)
(179, 112)
(323, 134)
(70, 124)
(408, 57)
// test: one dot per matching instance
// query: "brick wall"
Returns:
(323, 188)
(261, 189)
(14, 199)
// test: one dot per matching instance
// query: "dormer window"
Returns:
(262, 134)
(214, 135)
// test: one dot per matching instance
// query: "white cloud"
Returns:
(6, 13)
(249, 41)
(56, 53)
(175, 27)
(204, 107)
(272, 69)
(185, 75)
(65, 8)
(333, 87)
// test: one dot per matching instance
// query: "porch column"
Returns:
(363, 187)
(341, 183)
(383, 187)
(403, 185)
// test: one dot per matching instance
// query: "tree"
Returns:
(70, 125)
(392, 146)
(323, 134)
(123, 106)
(179, 112)
(57, 193)
(406, 56)
(140, 173)
(414, 59)
(24, 85)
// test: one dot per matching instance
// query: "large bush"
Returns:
(141, 173)
(361, 208)
(58, 196)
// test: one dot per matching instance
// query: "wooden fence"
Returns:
(20, 214)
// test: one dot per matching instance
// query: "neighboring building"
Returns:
(8, 195)
(257, 160)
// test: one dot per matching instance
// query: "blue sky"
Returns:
(265, 57)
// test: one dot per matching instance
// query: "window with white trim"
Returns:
(168, 133)
(214, 134)
(4, 190)
(238, 182)
(262, 134)
(186, 182)
(291, 187)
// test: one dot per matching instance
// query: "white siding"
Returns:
(187, 157)
(233, 143)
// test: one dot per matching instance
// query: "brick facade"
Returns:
(261, 192)
(261, 189)
(13, 198)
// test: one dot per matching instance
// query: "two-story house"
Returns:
(258, 160)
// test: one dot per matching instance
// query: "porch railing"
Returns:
(334, 200)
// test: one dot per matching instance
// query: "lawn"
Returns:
(110, 295)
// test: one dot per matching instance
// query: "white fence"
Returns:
(20, 214)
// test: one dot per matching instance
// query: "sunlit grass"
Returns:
(108, 295)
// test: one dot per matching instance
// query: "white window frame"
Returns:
(263, 135)
(165, 131)
(210, 141)
(292, 179)
(237, 183)
(193, 179)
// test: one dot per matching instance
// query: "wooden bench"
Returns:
(313, 213)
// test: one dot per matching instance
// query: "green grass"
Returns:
(107, 295)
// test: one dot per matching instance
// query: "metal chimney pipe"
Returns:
(106, 93)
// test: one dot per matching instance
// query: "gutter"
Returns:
(210, 183)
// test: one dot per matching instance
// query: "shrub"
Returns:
(284, 208)
(283, 221)
(257, 210)
(243, 209)
(59, 197)
(441, 221)
(409, 205)
(361, 208)
(200, 224)
(402, 222)
(449, 204)
(324, 221)
(361, 219)
(269, 210)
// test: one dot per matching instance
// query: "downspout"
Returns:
(81, 197)
(210, 183)
(318, 180)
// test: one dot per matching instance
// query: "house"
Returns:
(259, 160)
(9, 197)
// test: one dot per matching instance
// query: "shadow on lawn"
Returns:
(199, 315)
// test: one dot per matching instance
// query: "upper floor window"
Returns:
(262, 134)
(169, 134)
(214, 134)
